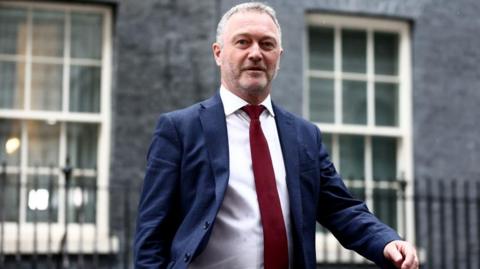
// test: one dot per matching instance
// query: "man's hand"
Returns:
(402, 254)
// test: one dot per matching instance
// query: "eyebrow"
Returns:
(267, 36)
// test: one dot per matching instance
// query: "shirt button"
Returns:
(187, 256)
(206, 225)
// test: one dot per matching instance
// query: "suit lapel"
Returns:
(212, 118)
(289, 144)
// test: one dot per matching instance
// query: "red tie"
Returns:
(274, 234)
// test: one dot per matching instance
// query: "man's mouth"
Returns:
(254, 69)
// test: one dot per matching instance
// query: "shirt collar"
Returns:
(232, 103)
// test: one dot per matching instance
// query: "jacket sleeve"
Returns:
(157, 219)
(347, 218)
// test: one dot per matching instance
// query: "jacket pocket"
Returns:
(171, 264)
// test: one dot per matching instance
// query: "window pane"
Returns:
(386, 53)
(48, 33)
(46, 87)
(352, 155)
(9, 191)
(42, 198)
(384, 150)
(354, 51)
(327, 142)
(358, 193)
(386, 104)
(82, 200)
(86, 35)
(385, 206)
(321, 48)
(10, 142)
(321, 100)
(354, 102)
(85, 89)
(43, 143)
(82, 145)
(11, 84)
(12, 30)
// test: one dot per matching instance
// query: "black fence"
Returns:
(441, 216)
(36, 208)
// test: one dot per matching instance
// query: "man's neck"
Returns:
(251, 97)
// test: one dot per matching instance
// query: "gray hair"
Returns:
(249, 6)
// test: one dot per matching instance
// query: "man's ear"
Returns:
(217, 51)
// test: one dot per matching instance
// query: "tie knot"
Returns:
(253, 111)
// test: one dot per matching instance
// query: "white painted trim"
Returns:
(92, 241)
(387, 79)
(105, 130)
(45, 170)
(352, 76)
(335, 150)
(368, 162)
(352, 22)
(28, 62)
(338, 87)
(329, 250)
(406, 119)
(61, 178)
(318, 73)
(66, 64)
(23, 175)
(370, 82)
(56, 6)
(51, 60)
(394, 184)
(51, 116)
(85, 62)
(360, 130)
(12, 58)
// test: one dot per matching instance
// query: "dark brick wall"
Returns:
(446, 90)
(162, 61)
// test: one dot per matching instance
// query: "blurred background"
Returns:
(393, 85)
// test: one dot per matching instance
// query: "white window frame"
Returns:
(85, 237)
(403, 132)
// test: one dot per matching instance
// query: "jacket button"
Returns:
(206, 225)
(187, 256)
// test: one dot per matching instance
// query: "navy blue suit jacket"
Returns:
(187, 176)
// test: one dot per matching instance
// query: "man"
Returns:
(237, 182)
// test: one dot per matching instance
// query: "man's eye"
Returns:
(268, 45)
(242, 42)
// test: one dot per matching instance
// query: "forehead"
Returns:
(251, 22)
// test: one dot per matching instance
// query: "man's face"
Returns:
(250, 55)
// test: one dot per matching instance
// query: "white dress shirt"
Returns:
(236, 241)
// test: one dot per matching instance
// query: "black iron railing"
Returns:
(35, 212)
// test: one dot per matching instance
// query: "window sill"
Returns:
(330, 251)
(44, 239)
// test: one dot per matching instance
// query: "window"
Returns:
(358, 92)
(54, 107)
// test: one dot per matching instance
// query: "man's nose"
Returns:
(255, 53)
